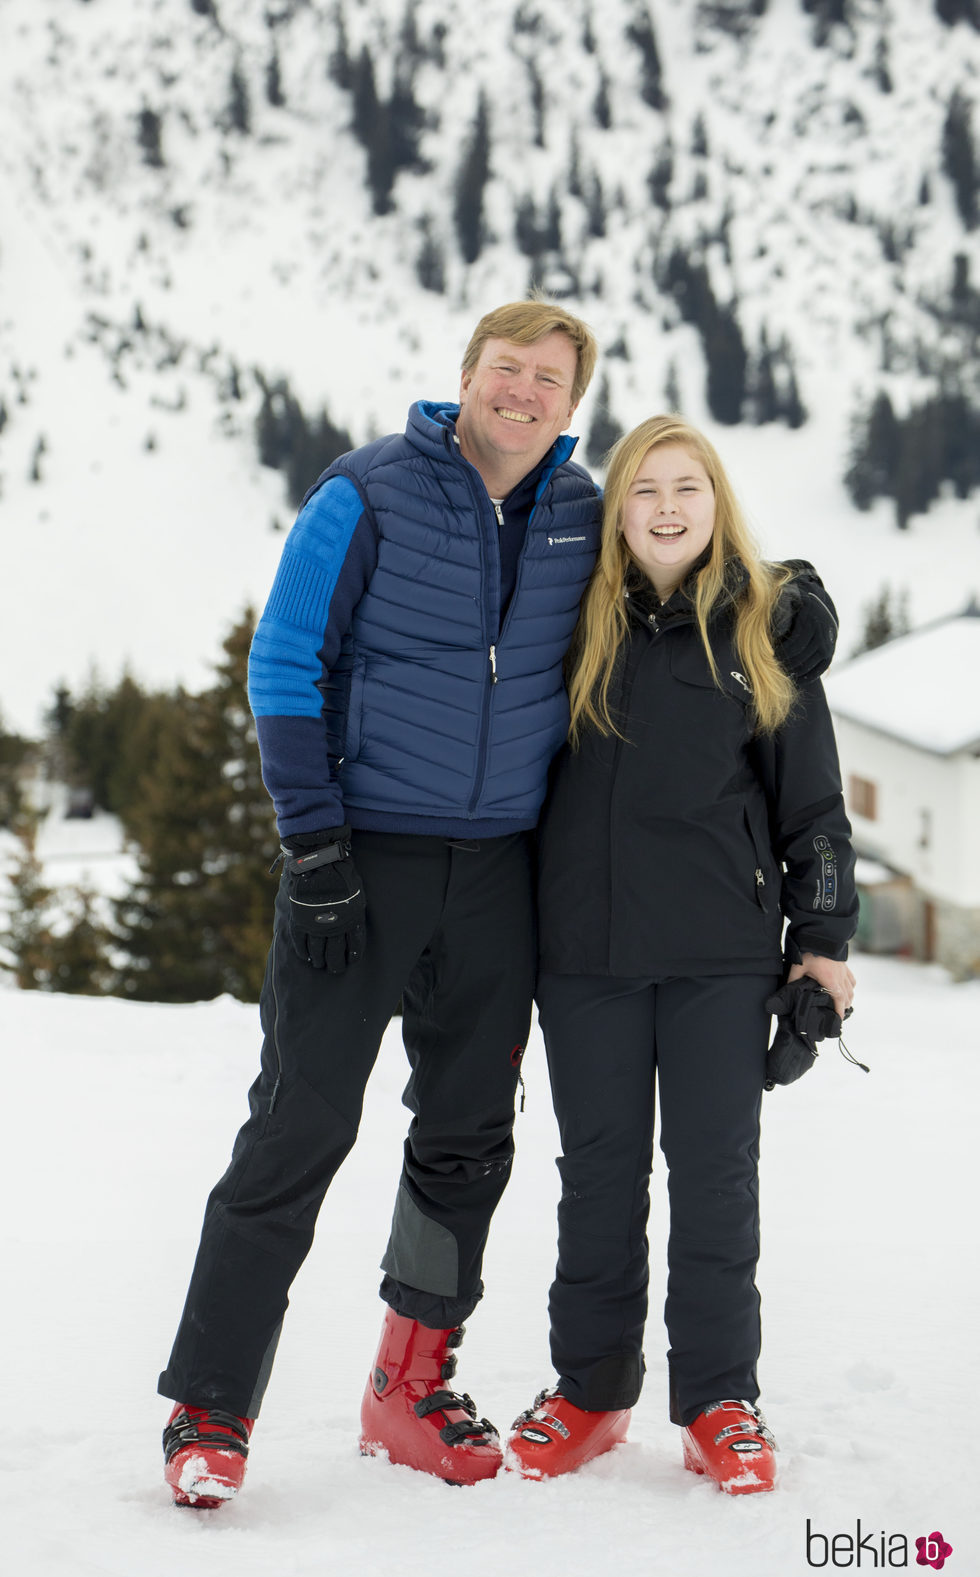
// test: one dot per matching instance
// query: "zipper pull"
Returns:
(493, 664)
(500, 513)
(760, 880)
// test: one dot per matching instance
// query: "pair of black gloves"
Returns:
(326, 901)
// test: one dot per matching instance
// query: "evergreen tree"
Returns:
(290, 442)
(640, 32)
(389, 132)
(875, 445)
(953, 11)
(27, 937)
(106, 741)
(273, 81)
(239, 112)
(959, 158)
(538, 103)
(52, 940)
(471, 180)
(727, 365)
(827, 14)
(602, 104)
(430, 265)
(15, 756)
(195, 922)
(605, 429)
(661, 176)
(149, 135)
(672, 390)
(886, 616)
(339, 67)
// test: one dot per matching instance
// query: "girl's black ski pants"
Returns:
(610, 1042)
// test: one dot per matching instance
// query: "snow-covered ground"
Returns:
(121, 1115)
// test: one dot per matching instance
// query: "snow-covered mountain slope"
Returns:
(202, 197)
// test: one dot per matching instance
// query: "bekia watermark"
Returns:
(874, 1550)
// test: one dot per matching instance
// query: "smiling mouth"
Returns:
(513, 416)
(667, 533)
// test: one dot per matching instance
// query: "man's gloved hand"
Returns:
(804, 624)
(326, 903)
(805, 1013)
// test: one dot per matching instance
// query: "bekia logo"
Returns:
(873, 1550)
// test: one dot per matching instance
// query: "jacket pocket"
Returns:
(765, 896)
(355, 698)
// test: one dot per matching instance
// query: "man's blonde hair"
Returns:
(526, 322)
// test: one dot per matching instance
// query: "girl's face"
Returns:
(669, 514)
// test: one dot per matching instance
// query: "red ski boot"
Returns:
(555, 1437)
(205, 1451)
(408, 1412)
(730, 1442)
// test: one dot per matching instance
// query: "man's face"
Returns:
(515, 402)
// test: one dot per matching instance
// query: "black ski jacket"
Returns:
(682, 847)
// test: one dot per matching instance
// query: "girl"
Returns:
(696, 808)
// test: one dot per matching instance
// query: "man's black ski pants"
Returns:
(450, 933)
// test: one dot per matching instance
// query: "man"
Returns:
(406, 678)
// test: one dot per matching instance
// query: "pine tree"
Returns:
(605, 429)
(640, 32)
(15, 754)
(239, 113)
(959, 158)
(149, 135)
(953, 11)
(27, 938)
(886, 616)
(875, 445)
(196, 920)
(471, 180)
(273, 81)
(293, 443)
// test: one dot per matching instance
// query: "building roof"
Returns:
(923, 688)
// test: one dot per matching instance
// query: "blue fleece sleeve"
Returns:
(326, 563)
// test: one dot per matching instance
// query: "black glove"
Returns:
(326, 904)
(804, 624)
(805, 1014)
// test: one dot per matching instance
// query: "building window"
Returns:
(863, 795)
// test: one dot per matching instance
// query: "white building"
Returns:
(907, 717)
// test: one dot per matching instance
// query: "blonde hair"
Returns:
(526, 322)
(603, 623)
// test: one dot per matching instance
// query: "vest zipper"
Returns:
(480, 493)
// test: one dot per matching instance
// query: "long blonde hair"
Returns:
(603, 623)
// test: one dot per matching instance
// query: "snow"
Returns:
(121, 1115)
(920, 687)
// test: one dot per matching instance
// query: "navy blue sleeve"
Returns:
(327, 561)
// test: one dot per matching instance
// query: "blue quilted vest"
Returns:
(436, 709)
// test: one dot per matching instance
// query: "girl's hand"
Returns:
(831, 973)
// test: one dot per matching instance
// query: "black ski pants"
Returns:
(609, 1042)
(450, 932)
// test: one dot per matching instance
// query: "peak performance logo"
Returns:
(557, 542)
